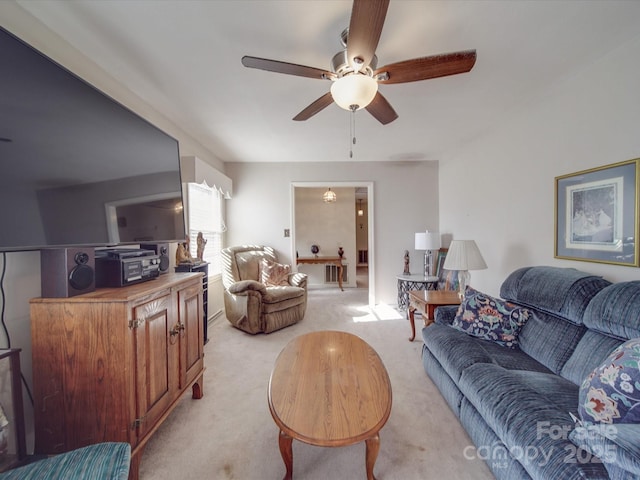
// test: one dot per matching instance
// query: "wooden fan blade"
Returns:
(381, 109)
(320, 104)
(365, 27)
(288, 68)
(428, 67)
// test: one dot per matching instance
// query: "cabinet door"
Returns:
(82, 364)
(156, 359)
(190, 302)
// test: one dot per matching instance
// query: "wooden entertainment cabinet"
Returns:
(111, 365)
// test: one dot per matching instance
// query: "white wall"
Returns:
(499, 189)
(405, 201)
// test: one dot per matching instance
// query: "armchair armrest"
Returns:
(243, 286)
(298, 280)
(445, 314)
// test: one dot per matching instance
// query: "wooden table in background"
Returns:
(426, 302)
(329, 389)
(324, 261)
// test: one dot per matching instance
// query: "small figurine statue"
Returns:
(201, 243)
(406, 263)
(182, 253)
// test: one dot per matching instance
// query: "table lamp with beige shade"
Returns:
(464, 255)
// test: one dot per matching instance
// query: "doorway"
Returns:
(329, 227)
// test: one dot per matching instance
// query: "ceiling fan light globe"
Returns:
(354, 89)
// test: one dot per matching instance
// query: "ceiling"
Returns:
(183, 58)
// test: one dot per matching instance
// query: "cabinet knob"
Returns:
(136, 323)
(178, 329)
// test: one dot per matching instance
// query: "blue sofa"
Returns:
(519, 405)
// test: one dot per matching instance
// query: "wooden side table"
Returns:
(408, 282)
(426, 302)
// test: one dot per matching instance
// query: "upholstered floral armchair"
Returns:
(260, 294)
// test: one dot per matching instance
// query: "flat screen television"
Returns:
(78, 168)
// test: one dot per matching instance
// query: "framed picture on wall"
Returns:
(442, 254)
(596, 213)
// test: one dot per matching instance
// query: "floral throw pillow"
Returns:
(611, 393)
(490, 318)
(273, 273)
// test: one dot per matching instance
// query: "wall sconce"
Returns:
(360, 210)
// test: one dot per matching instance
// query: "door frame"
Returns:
(370, 223)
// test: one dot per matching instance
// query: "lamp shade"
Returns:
(355, 89)
(433, 240)
(464, 255)
(421, 241)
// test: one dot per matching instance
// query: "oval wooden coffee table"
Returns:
(329, 389)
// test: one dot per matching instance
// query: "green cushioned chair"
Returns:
(102, 461)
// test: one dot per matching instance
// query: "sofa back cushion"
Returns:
(615, 311)
(564, 292)
(549, 339)
(612, 317)
(558, 299)
(591, 350)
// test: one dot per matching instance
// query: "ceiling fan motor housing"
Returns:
(341, 66)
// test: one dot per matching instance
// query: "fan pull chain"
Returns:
(353, 130)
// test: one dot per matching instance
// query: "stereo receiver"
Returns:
(119, 267)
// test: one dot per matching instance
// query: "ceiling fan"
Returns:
(355, 75)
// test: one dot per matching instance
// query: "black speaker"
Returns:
(67, 272)
(161, 249)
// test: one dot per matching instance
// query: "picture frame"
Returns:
(596, 214)
(442, 255)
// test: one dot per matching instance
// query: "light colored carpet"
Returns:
(229, 433)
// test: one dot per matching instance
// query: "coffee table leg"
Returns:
(286, 450)
(373, 447)
(412, 321)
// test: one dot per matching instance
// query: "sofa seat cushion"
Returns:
(529, 413)
(447, 345)
(515, 403)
